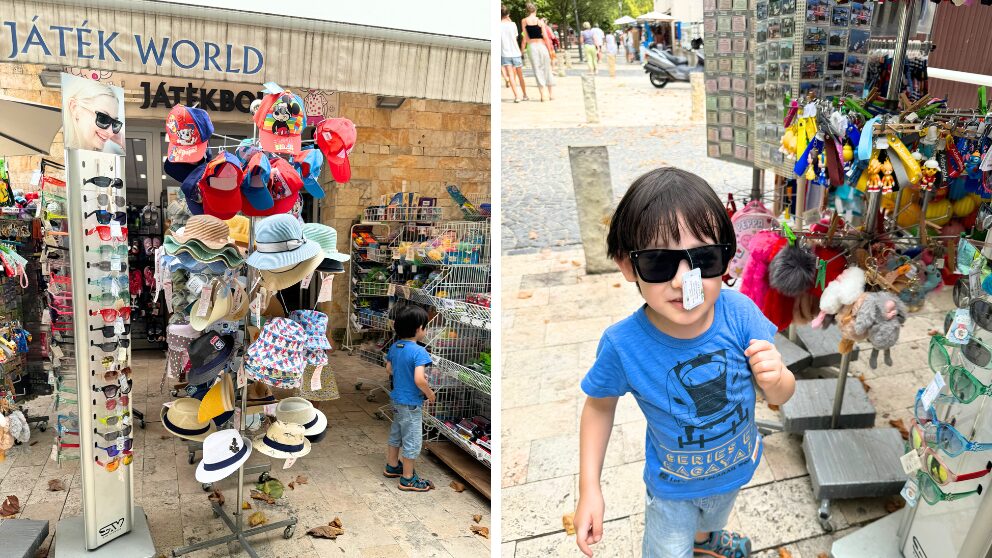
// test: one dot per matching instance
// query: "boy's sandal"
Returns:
(391, 472)
(415, 484)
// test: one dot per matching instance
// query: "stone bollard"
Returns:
(611, 61)
(594, 203)
(589, 96)
(698, 95)
(562, 58)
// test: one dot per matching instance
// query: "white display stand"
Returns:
(71, 533)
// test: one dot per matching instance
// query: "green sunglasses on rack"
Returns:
(108, 299)
(933, 494)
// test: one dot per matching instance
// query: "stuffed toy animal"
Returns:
(19, 428)
(754, 281)
(879, 319)
(846, 317)
(842, 291)
(792, 271)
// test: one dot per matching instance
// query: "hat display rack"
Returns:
(241, 245)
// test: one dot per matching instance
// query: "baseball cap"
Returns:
(284, 188)
(255, 185)
(280, 120)
(219, 186)
(308, 163)
(188, 130)
(336, 138)
(191, 189)
(179, 171)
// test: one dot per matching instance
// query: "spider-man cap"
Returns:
(188, 130)
(336, 138)
(280, 120)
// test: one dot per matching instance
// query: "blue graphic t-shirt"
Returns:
(697, 395)
(406, 356)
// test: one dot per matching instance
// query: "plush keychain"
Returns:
(842, 291)
(792, 271)
(880, 318)
(846, 324)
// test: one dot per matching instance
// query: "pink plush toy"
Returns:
(754, 281)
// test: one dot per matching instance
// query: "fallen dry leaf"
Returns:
(164, 437)
(773, 407)
(894, 504)
(783, 553)
(479, 530)
(336, 522)
(11, 506)
(245, 505)
(325, 532)
(616, 285)
(457, 486)
(532, 235)
(576, 263)
(259, 495)
(56, 485)
(525, 294)
(477, 518)
(216, 496)
(901, 427)
(291, 486)
(568, 521)
(257, 519)
(302, 479)
(861, 378)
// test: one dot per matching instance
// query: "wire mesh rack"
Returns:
(394, 214)
(449, 290)
(371, 319)
(450, 244)
(459, 414)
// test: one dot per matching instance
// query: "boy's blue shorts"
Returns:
(670, 526)
(407, 432)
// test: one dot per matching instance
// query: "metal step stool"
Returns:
(811, 407)
(22, 537)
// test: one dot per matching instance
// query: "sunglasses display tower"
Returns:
(111, 525)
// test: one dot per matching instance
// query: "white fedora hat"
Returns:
(223, 452)
(283, 441)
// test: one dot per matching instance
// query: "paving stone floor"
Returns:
(345, 481)
(553, 316)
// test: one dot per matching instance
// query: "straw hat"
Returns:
(283, 441)
(181, 420)
(223, 452)
(218, 400)
(285, 277)
(259, 396)
(239, 226)
(296, 410)
(239, 303)
(219, 308)
(211, 231)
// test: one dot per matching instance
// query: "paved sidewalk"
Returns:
(345, 480)
(553, 316)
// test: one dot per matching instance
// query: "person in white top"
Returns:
(511, 62)
(598, 36)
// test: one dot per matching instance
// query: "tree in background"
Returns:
(634, 8)
(562, 12)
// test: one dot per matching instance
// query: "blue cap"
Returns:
(191, 189)
(245, 150)
(255, 185)
(308, 164)
(179, 171)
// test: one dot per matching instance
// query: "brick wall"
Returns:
(427, 143)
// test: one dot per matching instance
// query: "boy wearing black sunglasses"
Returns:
(691, 356)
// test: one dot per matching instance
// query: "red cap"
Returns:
(220, 187)
(188, 129)
(284, 187)
(280, 120)
(336, 138)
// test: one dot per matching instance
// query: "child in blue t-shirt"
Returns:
(407, 363)
(689, 364)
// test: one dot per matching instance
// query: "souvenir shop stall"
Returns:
(883, 197)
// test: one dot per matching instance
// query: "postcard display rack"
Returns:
(111, 525)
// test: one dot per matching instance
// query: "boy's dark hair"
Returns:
(408, 319)
(504, 11)
(650, 211)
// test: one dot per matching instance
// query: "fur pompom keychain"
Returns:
(792, 271)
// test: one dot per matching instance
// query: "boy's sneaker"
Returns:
(391, 472)
(415, 484)
(724, 544)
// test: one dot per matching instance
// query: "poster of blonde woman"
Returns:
(93, 115)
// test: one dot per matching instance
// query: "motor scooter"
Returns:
(663, 67)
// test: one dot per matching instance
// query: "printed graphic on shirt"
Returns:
(715, 432)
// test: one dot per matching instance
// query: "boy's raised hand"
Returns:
(589, 520)
(766, 363)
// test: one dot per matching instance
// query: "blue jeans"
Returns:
(670, 526)
(515, 61)
(407, 431)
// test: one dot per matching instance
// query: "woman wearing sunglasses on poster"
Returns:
(95, 121)
(691, 356)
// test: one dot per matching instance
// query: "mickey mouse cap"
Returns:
(280, 120)
(188, 130)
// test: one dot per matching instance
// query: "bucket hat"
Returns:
(328, 384)
(184, 260)
(259, 396)
(308, 163)
(280, 120)
(331, 266)
(255, 185)
(220, 186)
(336, 138)
(296, 410)
(209, 230)
(314, 324)
(218, 308)
(208, 353)
(280, 346)
(223, 452)
(230, 256)
(188, 129)
(238, 227)
(327, 238)
(218, 400)
(180, 419)
(279, 243)
(283, 278)
(283, 441)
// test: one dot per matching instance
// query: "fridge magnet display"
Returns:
(724, 82)
(723, 24)
(712, 134)
(725, 5)
(816, 11)
(775, 8)
(860, 14)
(788, 7)
(833, 87)
(837, 38)
(812, 67)
(774, 29)
(760, 76)
(761, 11)
(773, 71)
(739, 85)
(740, 45)
(816, 39)
(761, 32)
(841, 16)
(726, 133)
(856, 89)
(835, 61)
(785, 71)
(740, 4)
(855, 67)
(738, 24)
(785, 50)
(761, 54)
(788, 28)
(807, 88)
(858, 41)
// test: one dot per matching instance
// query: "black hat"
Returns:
(331, 266)
(207, 354)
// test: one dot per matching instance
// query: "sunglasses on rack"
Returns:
(116, 462)
(105, 182)
(107, 251)
(113, 404)
(106, 265)
(109, 299)
(658, 265)
(113, 390)
(107, 283)
(111, 436)
(63, 400)
(940, 472)
(116, 449)
(67, 421)
(943, 436)
(115, 375)
(961, 293)
(63, 431)
(111, 331)
(111, 346)
(975, 351)
(66, 444)
(104, 217)
(934, 495)
(105, 234)
(103, 200)
(123, 419)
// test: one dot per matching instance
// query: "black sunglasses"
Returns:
(113, 390)
(660, 265)
(104, 217)
(111, 346)
(104, 121)
(108, 331)
(105, 182)
(981, 313)
(961, 293)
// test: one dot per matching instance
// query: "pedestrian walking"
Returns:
(598, 35)
(536, 40)
(511, 61)
(589, 47)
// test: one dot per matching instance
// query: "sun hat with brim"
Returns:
(279, 346)
(230, 255)
(180, 419)
(259, 397)
(184, 260)
(223, 452)
(218, 308)
(296, 410)
(208, 353)
(240, 303)
(284, 379)
(279, 242)
(218, 400)
(209, 230)
(239, 226)
(327, 238)
(314, 324)
(283, 441)
(283, 278)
